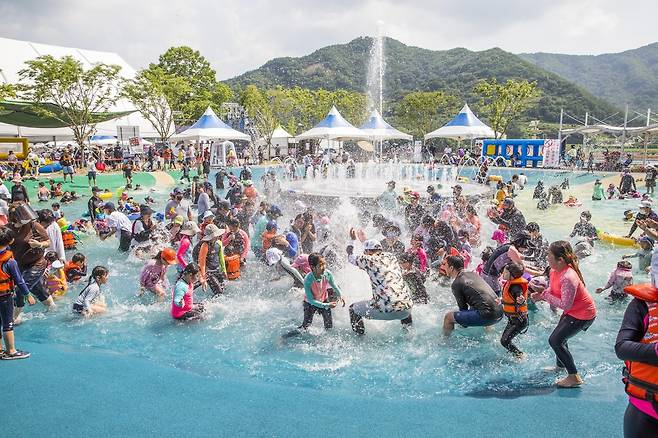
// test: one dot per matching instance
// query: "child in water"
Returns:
(414, 279)
(316, 288)
(154, 273)
(621, 277)
(418, 254)
(486, 253)
(598, 194)
(55, 277)
(643, 255)
(515, 305)
(76, 268)
(90, 301)
(500, 235)
(182, 304)
(612, 191)
(584, 227)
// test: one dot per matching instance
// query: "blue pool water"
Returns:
(134, 370)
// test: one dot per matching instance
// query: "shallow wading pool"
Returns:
(135, 372)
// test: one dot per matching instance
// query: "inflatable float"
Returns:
(50, 168)
(105, 195)
(616, 240)
(495, 178)
(645, 292)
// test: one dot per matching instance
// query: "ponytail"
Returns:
(561, 249)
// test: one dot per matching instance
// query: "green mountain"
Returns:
(415, 69)
(629, 77)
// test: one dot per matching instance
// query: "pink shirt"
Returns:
(568, 292)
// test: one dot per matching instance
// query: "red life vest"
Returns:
(69, 239)
(510, 305)
(6, 281)
(641, 379)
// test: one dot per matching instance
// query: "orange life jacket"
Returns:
(510, 305)
(232, 266)
(641, 379)
(69, 239)
(6, 282)
(250, 192)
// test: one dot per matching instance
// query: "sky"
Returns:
(241, 35)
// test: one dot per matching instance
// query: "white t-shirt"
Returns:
(119, 221)
(91, 165)
(56, 241)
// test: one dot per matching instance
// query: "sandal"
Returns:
(18, 354)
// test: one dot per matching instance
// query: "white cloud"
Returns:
(237, 36)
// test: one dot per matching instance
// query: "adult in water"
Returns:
(510, 216)
(567, 291)
(636, 344)
(391, 298)
(510, 252)
(477, 301)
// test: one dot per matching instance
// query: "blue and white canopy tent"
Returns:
(210, 127)
(378, 129)
(465, 125)
(333, 127)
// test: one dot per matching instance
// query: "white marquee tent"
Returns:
(16, 52)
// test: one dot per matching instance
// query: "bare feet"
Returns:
(571, 381)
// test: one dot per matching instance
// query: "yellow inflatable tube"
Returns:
(495, 178)
(105, 195)
(616, 240)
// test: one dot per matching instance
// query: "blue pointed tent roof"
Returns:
(378, 128)
(463, 125)
(208, 127)
(331, 127)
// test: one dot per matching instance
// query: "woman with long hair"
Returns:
(567, 291)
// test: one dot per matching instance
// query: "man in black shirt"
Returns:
(477, 302)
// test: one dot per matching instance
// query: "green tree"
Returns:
(79, 93)
(150, 92)
(421, 112)
(504, 103)
(7, 91)
(259, 110)
(202, 88)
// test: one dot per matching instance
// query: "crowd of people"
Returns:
(212, 232)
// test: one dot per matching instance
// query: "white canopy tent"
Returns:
(465, 125)
(16, 52)
(378, 129)
(333, 127)
(210, 127)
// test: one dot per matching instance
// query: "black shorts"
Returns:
(35, 282)
(127, 173)
(7, 312)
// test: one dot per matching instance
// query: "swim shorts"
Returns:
(472, 318)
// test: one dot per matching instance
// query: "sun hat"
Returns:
(372, 245)
(169, 256)
(645, 204)
(211, 232)
(273, 256)
(208, 214)
(189, 228)
(57, 264)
